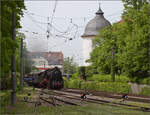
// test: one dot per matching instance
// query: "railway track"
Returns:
(60, 100)
(50, 102)
(145, 99)
(56, 99)
(62, 96)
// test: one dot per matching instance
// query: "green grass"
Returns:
(88, 108)
(4, 97)
(91, 109)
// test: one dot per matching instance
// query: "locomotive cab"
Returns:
(55, 79)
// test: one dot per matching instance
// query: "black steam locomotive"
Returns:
(50, 78)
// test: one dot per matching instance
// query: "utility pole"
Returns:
(112, 66)
(24, 67)
(48, 32)
(13, 93)
(21, 65)
(68, 69)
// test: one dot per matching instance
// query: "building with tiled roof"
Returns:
(46, 60)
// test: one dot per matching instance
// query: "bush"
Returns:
(90, 85)
(82, 72)
(75, 76)
(122, 79)
(115, 87)
(74, 83)
(107, 78)
(141, 80)
(102, 78)
(145, 81)
(145, 91)
(65, 82)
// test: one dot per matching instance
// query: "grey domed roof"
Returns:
(93, 26)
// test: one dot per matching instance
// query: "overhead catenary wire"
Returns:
(54, 10)
(74, 18)
(50, 24)
(57, 18)
(60, 33)
(64, 32)
(68, 18)
(65, 41)
(35, 22)
(36, 33)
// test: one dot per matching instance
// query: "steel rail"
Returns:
(116, 96)
(49, 101)
(99, 101)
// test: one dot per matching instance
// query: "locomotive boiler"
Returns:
(50, 78)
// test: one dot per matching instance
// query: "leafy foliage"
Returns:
(145, 81)
(8, 46)
(133, 57)
(69, 65)
(5, 98)
(82, 72)
(145, 91)
(107, 78)
(129, 40)
(101, 55)
(115, 87)
(136, 4)
(72, 83)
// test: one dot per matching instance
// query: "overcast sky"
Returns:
(34, 24)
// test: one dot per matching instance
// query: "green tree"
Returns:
(130, 40)
(135, 4)
(82, 72)
(7, 44)
(101, 56)
(69, 65)
(134, 53)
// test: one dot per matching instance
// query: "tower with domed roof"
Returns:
(91, 31)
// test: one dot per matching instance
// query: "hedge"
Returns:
(72, 83)
(107, 78)
(115, 87)
(145, 91)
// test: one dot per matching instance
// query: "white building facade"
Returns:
(91, 31)
(87, 49)
(47, 60)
